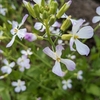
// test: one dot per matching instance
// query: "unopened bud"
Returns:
(36, 10)
(66, 24)
(66, 36)
(63, 9)
(52, 20)
(45, 14)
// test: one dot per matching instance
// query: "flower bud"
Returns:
(43, 3)
(30, 37)
(52, 20)
(45, 14)
(66, 36)
(66, 24)
(29, 8)
(63, 9)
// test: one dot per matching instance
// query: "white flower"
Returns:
(27, 52)
(57, 57)
(8, 67)
(23, 62)
(15, 31)
(19, 86)
(79, 75)
(3, 10)
(79, 32)
(96, 18)
(67, 84)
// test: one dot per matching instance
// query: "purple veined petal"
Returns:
(23, 88)
(12, 64)
(37, 2)
(71, 44)
(56, 24)
(57, 69)
(5, 61)
(82, 48)
(49, 52)
(98, 10)
(76, 27)
(21, 33)
(14, 83)
(23, 20)
(39, 26)
(11, 42)
(96, 19)
(69, 64)
(85, 32)
(59, 49)
(17, 89)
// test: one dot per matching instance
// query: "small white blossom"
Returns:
(96, 18)
(15, 31)
(70, 65)
(71, 56)
(3, 10)
(27, 52)
(67, 84)
(79, 75)
(8, 67)
(19, 86)
(23, 63)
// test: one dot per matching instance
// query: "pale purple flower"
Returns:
(96, 18)
(57, 57)
(16, 31)
(79, 32)
(30, 37)
(26, 52)
(67, 84)
(3, 10)
(79, 75)
(19, 86)
(23, 62)
(8, 66)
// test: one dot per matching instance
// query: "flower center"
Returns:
(75, 36)
(58, 59)
(15, 30)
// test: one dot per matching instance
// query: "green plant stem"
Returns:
(96, 27)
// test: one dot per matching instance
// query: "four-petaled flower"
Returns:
(96, 18)
(67, 84)
(20, 86)
(15, 31)
(57, 57)
(23, 63)
(79, 75)
(8, 66)
(79, 32)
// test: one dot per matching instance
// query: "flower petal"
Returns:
(5, 61)
(49, 52)
(4, 69)
(85, 32)
(57, 69)
(12, 64)
(23, 20)
(23, 88)
(96, 19)
(17, 89)
(69, 64)
(59, 49)
(11, 42)
(82, 48)
(98, 10)
(77, 25)
(71, 44)
(37, 1)
(14, 83)
(56, 24)
(64, 87)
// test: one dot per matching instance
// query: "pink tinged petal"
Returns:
(71, 44)
(49, 52)
(77, 26)
(59, 49)
(11, 42)
(69, 64)
(23, 20)
(23, 88)
(96, 19)
(14, 83)
(21, 33)
(57, 69)
(69, 2)
(17, 89)
(12, 64)
(98, 10)
(85, 32)
(82, 48)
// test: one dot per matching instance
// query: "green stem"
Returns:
(96, 27)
